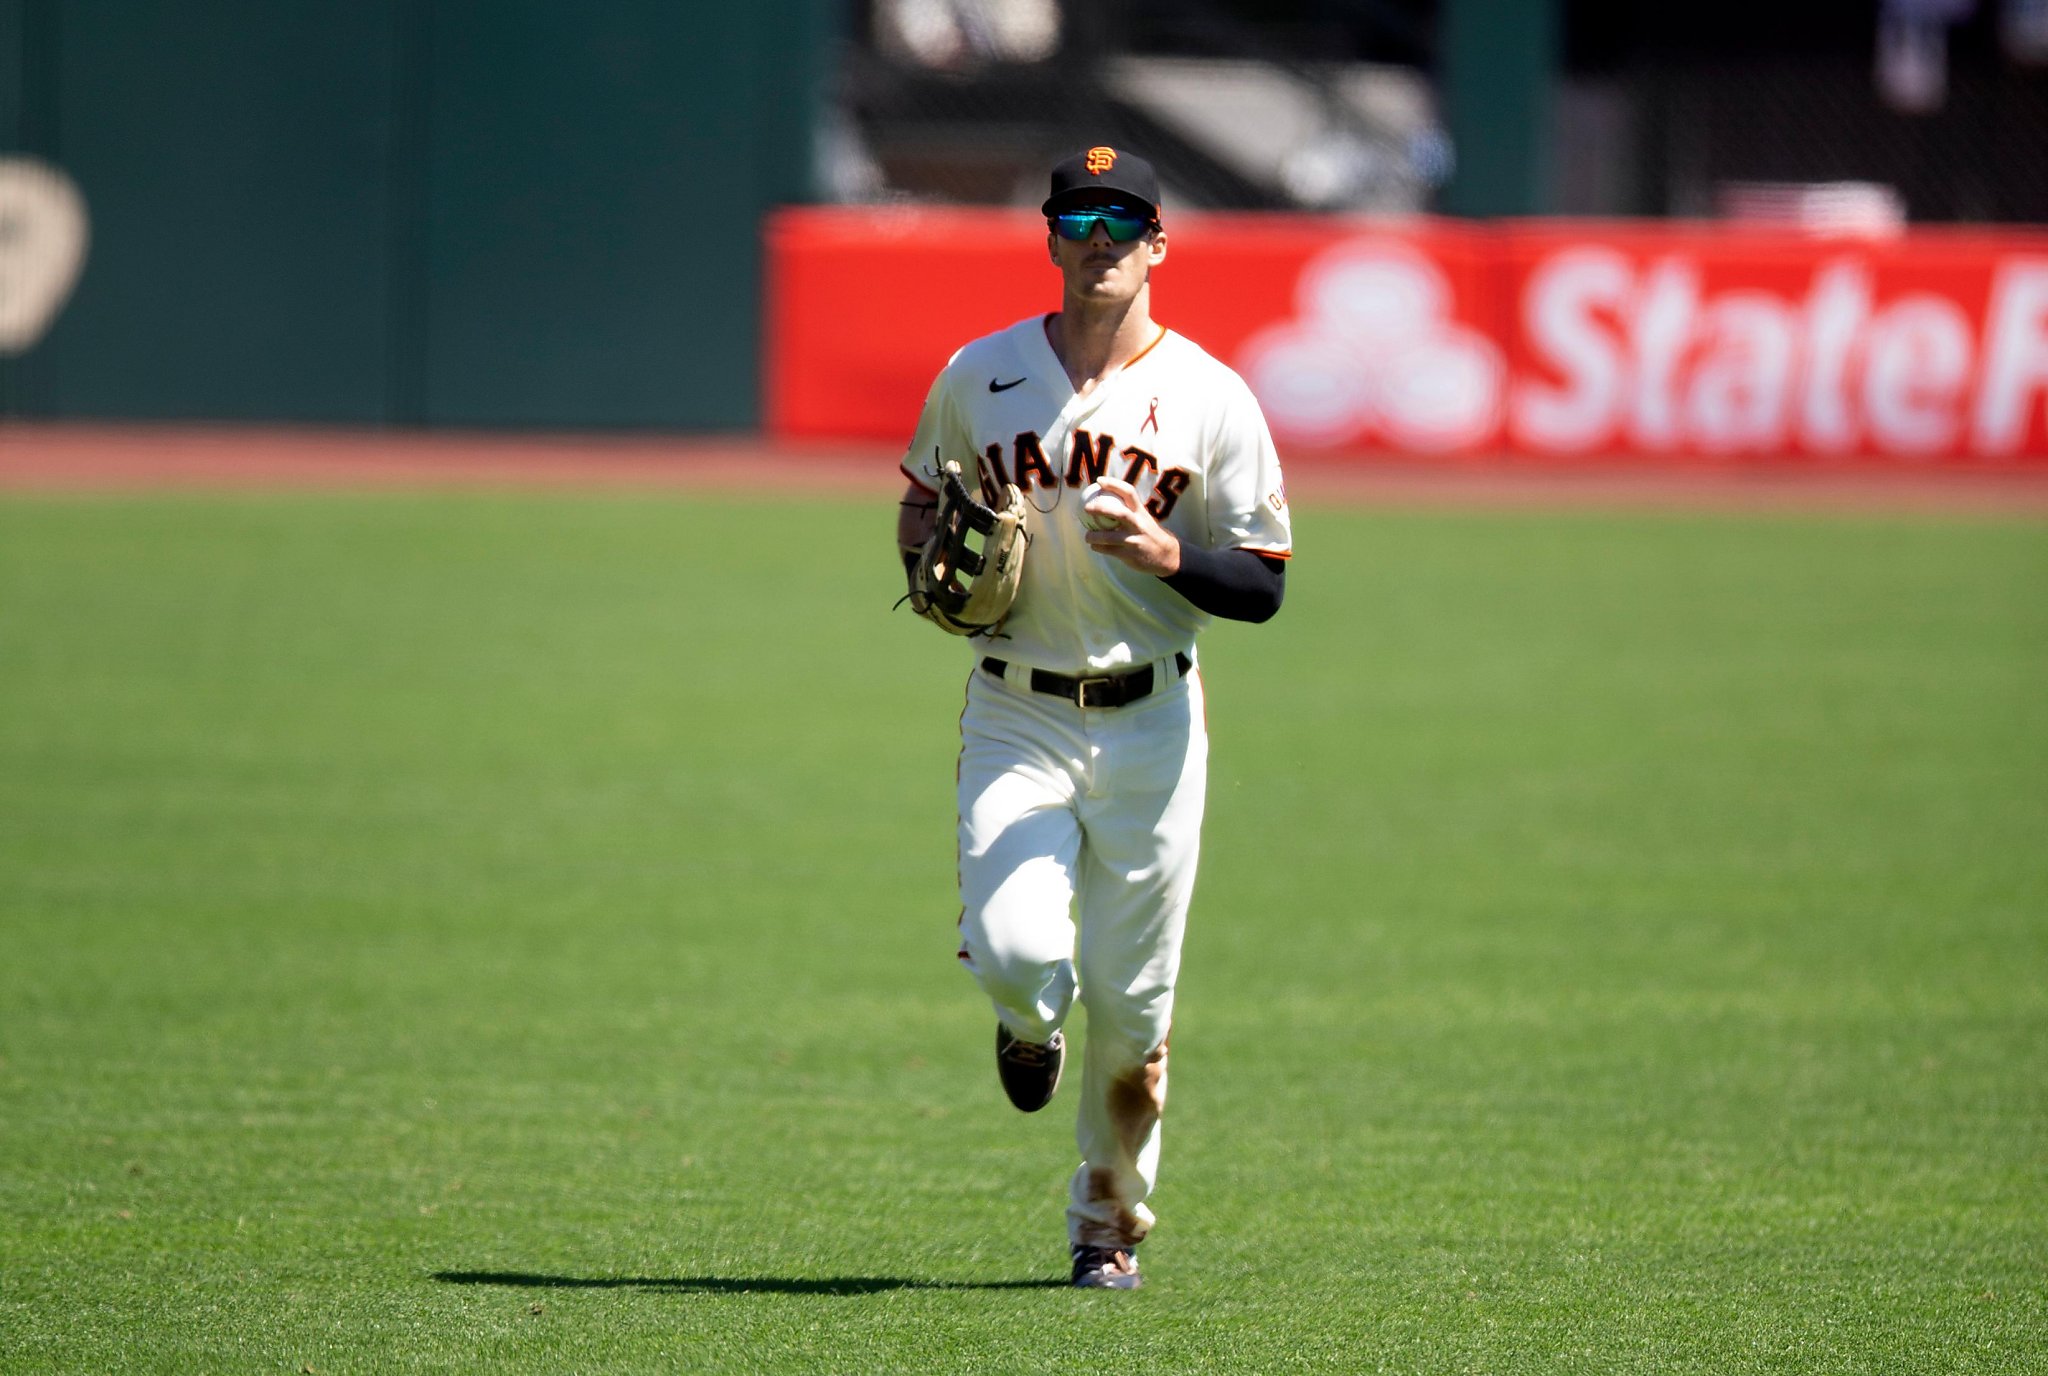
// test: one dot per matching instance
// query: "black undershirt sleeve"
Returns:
(1236, 584)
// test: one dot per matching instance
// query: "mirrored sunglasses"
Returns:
(1079, 225)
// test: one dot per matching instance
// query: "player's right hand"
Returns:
(1135, 537)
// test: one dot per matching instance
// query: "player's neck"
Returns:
(1094, 339)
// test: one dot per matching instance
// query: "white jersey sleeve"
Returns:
(1247, 495)
(941, 434)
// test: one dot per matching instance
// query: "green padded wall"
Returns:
(1497, 65)
(452, 212)
(233, 157)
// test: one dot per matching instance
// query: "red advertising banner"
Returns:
(1544, 339)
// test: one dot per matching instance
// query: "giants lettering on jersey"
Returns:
(1089, 457)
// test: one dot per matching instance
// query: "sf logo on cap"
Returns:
(1100, 160)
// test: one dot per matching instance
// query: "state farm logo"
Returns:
(1374, 355)
(1643, 345)
(1640, 355)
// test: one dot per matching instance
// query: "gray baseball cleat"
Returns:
(1029, 1072)
(1106, 1268)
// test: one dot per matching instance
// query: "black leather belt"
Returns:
(1095, 690)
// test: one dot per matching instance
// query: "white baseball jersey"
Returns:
(1175, 423)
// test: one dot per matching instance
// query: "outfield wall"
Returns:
(1541, 339)
(419, 212)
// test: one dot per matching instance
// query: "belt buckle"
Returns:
(1101, 684)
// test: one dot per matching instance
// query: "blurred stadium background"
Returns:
(438, 213)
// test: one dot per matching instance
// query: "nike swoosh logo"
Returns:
(995, 386)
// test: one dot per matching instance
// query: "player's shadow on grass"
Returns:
(736, 1285)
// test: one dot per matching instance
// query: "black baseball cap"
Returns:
(1091, 177)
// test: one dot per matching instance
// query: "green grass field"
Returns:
(515, 933)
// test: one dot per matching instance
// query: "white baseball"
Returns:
(1099, 508)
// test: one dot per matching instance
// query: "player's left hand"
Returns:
(1134, 536)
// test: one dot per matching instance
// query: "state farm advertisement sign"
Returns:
(1740, 345)
(1543, 339)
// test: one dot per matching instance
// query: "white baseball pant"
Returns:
(1079, 833)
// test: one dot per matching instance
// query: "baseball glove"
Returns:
(957, 587)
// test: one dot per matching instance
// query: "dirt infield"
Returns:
(57, 457)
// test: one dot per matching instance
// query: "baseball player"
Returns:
(1153, 502)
